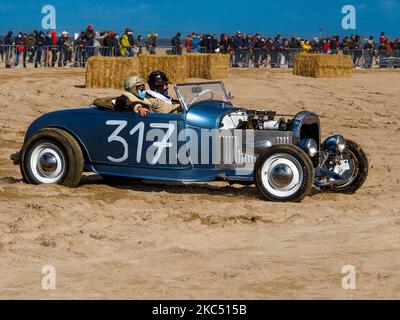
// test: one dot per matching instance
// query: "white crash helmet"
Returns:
(132, 83)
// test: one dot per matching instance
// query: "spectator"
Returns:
(98, 42)
(196, 43)
(132, 43)
(224, 43)
(63, 46)
(89, 36)
(124, 45)
(207, 45)
(355, 50)
(346, 46)
(214, 44)
(80, 51)
(189, 43)
(294, 48)
(8, 43)
(276, 54)
(335, 44)
(40, 43)
(369, 49)
(176, 44)
(110, 44)
(388, 47)
(382, 38)
(140, 44)
(315, 45)
(305, 46)
(268, 49)
(48, 43)
(2, 50)
(257, 45)
(30, 42)
(20, 50)
(247, 54)
(151, 43)
(238, 45)
(396, 47)
(326, 47)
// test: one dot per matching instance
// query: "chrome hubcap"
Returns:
(48, 163)
(282, 175)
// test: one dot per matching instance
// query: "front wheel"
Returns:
(284, 173)
(52, 156)
(352, 167)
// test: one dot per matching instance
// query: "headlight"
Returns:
(309, 146)
(335, 144)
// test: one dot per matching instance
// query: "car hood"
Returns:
(208, 114)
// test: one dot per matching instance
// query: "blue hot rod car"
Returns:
(207, 138)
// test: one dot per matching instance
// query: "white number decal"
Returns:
(114, 137)
(139, 127)
(160, 145)
(163, 144)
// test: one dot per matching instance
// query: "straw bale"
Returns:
(323, 65)
(174, 66)
(107, 72)
(111, 72)
(208, 66)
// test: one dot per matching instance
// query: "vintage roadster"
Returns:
(207, 138)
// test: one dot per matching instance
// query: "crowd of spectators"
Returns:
(246, 50)
(49, 50)
(257, 50)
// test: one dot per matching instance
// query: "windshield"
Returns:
(191, 93)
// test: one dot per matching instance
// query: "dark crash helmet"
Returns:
(157, 78)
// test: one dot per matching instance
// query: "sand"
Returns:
(205, 241)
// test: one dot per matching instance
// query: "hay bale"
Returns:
(195, 64)
(217, 66)
(174, 66)
(208, 66)
(110, 72)
(323, 65)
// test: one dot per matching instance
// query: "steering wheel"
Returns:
(201, 93)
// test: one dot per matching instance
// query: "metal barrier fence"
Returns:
(77, 56)
(248, 58)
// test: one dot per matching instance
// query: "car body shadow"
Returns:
(172, 187)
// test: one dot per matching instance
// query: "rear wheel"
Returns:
(52, 156)
(284, 173)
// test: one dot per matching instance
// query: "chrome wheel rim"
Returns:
(346, 169)
(282, 175)
(47, 163)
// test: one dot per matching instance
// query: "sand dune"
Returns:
(171, 240)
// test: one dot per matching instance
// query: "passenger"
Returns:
(134, 97)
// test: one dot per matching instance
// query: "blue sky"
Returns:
(165, 17)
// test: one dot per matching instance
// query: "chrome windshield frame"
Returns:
(182, 99)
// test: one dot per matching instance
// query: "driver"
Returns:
(158, 93)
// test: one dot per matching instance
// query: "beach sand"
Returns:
(205, 240)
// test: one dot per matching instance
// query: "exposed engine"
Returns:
(256, 120)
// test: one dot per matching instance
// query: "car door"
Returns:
(107, 137)
(154, 141)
